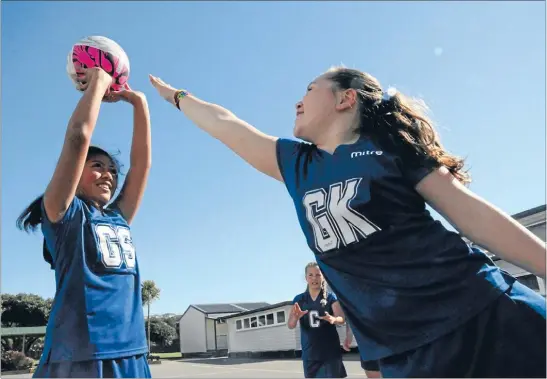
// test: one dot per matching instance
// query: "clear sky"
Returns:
(211, 228)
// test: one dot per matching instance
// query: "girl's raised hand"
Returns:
(165, 90)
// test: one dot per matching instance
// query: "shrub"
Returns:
(15, 360)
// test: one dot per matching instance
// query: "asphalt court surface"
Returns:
(237, 368)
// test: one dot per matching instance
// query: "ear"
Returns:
(346, 99)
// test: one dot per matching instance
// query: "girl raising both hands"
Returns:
(96, 325)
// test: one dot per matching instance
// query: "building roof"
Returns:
(227, 308)
(530, 211)
(265, 308)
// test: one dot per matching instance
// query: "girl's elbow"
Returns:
(79, 134)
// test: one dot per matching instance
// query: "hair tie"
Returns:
(388, 95)
(385, 106)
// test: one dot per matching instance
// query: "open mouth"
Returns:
(105, 186)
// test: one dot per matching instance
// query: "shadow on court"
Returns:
(237, 368)
(225, 361)
(246, 368)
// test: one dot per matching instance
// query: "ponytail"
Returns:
(29, 220)
(31, 217)
(404, 121)
(396, 118)
(324, 291)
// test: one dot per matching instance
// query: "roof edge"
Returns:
(531, 211)
(258, 310)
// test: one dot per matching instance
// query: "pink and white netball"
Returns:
(97, 51)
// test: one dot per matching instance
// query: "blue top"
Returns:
(402, 278)
(97, 310)
(319, 338)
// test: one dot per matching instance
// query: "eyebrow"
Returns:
(104, 164)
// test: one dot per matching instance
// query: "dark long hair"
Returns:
(31, 217)
(396, 118)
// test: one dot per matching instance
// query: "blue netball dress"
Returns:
(321, 353)
(403, 279)
(96, 325)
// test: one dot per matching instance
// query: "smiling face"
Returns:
(99, 179)
(314, 278)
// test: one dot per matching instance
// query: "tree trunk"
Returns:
(149, 352)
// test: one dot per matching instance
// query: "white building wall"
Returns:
(192, 332)
(210, 333)
(277, 337)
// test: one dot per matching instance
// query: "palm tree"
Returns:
(150, 293)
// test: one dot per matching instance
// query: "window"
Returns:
(529, 281)
(261, 321)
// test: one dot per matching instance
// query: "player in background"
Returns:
(372, 370)
(96, 325)
(419, 299)
(318, 312)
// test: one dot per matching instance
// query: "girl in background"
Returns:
(318, 312)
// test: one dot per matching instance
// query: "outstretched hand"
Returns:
(165, 90)
(126, 94)
(296, 312)
(328, 318)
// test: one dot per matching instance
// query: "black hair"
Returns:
(31, 217)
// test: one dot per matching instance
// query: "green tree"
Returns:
(25, 309)
(160, 332)
(150, 293)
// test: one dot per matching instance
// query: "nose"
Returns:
(299, 106)
(107, 174)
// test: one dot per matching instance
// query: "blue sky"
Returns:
(211, 229)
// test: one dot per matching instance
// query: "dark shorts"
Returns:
(507, 339)
(370, 365)
(332, 368)
(130, 367)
